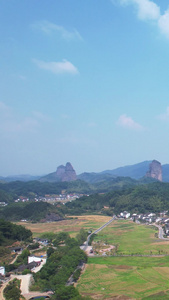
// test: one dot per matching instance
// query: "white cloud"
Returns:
(51, 28)
(163, 23)
(146, 9)
(57, 67)
(129, 123)
(165, 116)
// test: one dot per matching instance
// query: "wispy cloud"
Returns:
(148, 10)
(165, 116)
(40, 116)
(52, 28)
(62, 67)
(163, 23)
(129, 123)
(11, 123)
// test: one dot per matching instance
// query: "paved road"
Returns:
(161, 233)
(86, 244)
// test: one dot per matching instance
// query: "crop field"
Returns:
(115, 277)
(131, 238)
(72, 225)
(128, 277)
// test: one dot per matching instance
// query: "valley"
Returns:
(137, 268)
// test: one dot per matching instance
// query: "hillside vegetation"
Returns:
(12, 190)
(124, 194)
(143, 198)
(33, 211)
(11, 232)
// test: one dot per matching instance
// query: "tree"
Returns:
(81, 236)
(66, 293)
(12, 290)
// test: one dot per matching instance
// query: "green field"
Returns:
(128, 277)
(132, 238)
(133, 277)
(113, 277)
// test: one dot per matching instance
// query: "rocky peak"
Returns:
(60, 170)
(155, 170)
(66, 173)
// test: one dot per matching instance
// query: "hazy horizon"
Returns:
(52, 171)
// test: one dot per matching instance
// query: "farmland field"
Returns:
(114, 277)
(72, 225)
(128, 277)
(131, 238)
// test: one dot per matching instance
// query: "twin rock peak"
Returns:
(67, 173)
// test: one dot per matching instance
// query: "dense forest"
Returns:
(124, 195)
(11, 232)
(64, 260)
(139, 199)
(12, 190)
(32, 211)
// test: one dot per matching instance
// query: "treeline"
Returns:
(11, 232)
(137, 199)
(31, 189)
(12, 190)
(125, 194)
(143, 198)
(33, 211)
(62, 261)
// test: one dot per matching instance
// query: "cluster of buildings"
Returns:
(33, 262)
(51, 198)
(3, 204)
(58, 198)
(149, 218)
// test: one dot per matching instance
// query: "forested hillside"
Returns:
(11, 232)
(144, 198)
(107, 197)
(33, 211)
(63, 261)
(12, 190)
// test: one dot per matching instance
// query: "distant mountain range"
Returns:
(23, 177)
(67, 173)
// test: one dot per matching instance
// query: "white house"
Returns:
(125, 214)
(2, 271)
(32, 258)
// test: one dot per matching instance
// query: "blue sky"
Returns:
(83, 81)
